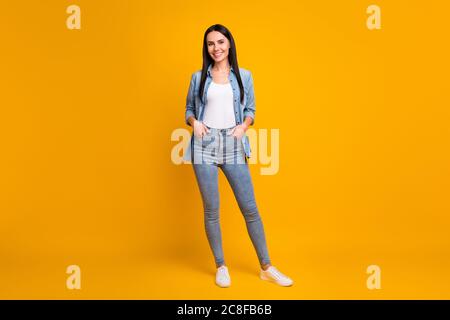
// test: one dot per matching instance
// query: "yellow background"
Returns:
(87, 179)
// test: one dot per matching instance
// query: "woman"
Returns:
(220, 107)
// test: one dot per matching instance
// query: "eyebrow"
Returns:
(217, 40)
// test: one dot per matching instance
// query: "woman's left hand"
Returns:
(239, 131)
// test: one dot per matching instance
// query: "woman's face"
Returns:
(218, 46)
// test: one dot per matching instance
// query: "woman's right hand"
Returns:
(200, 129)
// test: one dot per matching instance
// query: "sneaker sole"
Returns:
(223, 286)
(263, 277)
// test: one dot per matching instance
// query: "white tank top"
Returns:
(219, 111)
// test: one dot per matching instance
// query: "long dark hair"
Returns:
(232, 58)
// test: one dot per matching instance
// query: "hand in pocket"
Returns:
(200, 129)
(238, 131)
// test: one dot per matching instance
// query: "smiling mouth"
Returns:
(218, 54)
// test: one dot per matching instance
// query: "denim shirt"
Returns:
(195, 107)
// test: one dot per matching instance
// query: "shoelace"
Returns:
(277, 274)
(223, 273)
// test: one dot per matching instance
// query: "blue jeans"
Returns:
(219, 149)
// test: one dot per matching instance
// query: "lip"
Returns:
(218, 55)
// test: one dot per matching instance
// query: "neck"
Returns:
(222, 66)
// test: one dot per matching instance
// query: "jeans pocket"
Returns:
(207, 140)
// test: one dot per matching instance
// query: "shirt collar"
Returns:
(209, 70)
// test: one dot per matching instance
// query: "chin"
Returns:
(216, 60)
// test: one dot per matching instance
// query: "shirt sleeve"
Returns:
(249, 108)
(190, 100)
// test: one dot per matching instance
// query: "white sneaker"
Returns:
(222, 277)
(274, 275)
